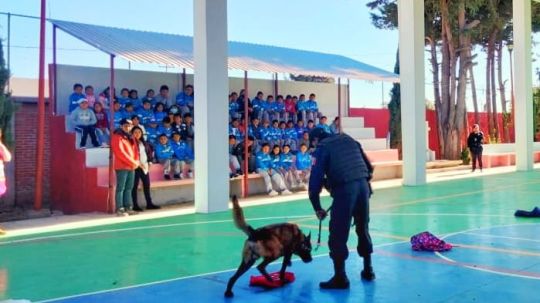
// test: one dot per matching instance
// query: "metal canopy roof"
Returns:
(177, 50)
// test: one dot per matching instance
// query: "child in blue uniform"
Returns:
(287, 167)
(159, 112)
(166, 129)
(266, 169)
(75, 97)
(164, 155)
(183, 156)
(303, 166)
(290, 136)
(145, 113)
(152, 132)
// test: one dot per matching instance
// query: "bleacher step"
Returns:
(352, 122)
(360, 132)
(373, 144)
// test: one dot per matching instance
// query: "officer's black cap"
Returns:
(318, 133)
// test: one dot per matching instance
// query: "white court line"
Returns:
(441, 215)
(485, 269)
(318, 256)
(214, 222)
(184, 278)
(503, 237)
(489, 270)
(142, 228)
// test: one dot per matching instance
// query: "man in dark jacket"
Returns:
(474, 142)
(239, 153)
(341, 165)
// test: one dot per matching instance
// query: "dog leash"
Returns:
(320, 229)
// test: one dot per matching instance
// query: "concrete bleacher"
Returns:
(386, 162)
(89, 176)
(504, 154)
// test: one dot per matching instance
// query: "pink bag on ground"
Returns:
(426, 241)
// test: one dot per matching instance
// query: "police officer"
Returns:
(474, 142)
(342, 167)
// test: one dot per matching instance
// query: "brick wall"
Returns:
(25, 136)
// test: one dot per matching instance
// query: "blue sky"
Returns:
(340, 27)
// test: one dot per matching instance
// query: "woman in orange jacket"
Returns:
(126, 160)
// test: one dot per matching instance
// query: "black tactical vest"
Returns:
(345, 160)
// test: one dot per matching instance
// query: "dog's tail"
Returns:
(238, 216)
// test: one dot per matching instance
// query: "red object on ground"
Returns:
(261, 280)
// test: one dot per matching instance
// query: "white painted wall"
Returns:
(99, 78)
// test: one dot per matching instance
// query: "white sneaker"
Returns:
(286, 193)
(121, 213)
(273, 193)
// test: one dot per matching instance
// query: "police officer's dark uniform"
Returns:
(474, 142)
(342, 166)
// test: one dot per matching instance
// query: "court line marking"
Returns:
(499, 250)
(69, 235)
(424, 200)
(447, 261)
(230, 270)
(182, 278)
(301, 218)
(418, 201)
(441, 215)
(504, 237)
(482, 268)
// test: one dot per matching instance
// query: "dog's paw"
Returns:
(229, 294)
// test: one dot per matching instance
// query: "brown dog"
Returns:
(270, 242)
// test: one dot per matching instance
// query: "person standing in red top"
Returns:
(126, 160)
(102, 124)
(290, 109)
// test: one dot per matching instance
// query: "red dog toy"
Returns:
(261, 280)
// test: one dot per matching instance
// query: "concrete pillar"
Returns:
(211, 113)
(413, 109)
(523, 85)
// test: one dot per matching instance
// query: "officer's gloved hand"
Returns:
(321, 214)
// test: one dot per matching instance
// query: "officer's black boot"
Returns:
(339, 280)
(367, 274)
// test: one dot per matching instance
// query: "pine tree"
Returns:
(7, 107)
(394, 107)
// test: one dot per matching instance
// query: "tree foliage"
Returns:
(394, 107)
(309, 78)
(454, 28)
(7, 107)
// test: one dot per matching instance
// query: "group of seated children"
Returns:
(166, 124)
(281, 109)
(280, 133)
(288, 170)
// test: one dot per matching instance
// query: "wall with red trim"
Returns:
(74, 187)
(24, 156)
(379, 118)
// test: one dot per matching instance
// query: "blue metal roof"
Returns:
(177, 50)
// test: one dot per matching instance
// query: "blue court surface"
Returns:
(495, 264)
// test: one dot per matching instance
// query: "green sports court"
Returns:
(189, 258)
